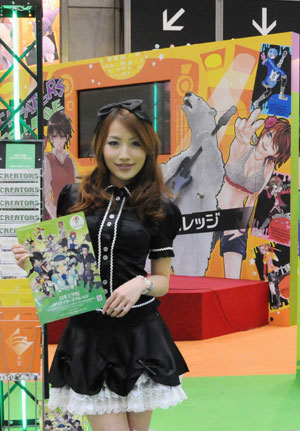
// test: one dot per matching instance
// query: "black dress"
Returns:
(98, 352)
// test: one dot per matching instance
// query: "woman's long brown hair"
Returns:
(281, 141)
(149, 185)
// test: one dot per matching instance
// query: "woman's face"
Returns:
(123, 154)
(266, 146)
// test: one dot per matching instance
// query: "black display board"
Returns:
(37, 151)
(243, 18)
(162, 23)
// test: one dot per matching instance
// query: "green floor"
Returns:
(246, 403)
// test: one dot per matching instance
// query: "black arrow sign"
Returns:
(260, 17)
(162, 23)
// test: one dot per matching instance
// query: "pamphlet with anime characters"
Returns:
(62, 268)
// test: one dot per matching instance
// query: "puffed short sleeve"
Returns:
(66, 199)
(165, 230)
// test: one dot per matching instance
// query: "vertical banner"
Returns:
(20, 198)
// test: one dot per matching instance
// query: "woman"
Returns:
(118, 364)
(250, 165)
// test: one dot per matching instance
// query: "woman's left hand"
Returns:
(245, 128)
(124, 297)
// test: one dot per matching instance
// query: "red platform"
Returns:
(55, 329)
(196, 308)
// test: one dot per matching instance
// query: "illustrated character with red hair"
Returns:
(250, 165)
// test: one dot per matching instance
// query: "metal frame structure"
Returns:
(33, 10)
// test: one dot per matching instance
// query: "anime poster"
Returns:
(272, 261)
(59, 166)
(258, 146)
(272, 213)
(272, 88)
(26, 35)
(227, 156)
(62, 267)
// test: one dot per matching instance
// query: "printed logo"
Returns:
(76, 222)
(18, 343)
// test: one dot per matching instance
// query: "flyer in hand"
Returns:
(62, 268)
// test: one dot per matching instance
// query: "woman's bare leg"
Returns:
(139, 421)
(232, 264)
(109, 422)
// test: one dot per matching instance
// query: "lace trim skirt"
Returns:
(145, 395)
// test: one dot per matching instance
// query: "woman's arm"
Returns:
(160, 275)
(126, 295)
(49, 205)
(245, 135)
(75, 171)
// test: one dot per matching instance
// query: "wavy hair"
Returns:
(281, 129)
(149, 186)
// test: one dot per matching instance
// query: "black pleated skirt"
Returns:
(97, 350)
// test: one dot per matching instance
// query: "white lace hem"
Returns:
(145, 395)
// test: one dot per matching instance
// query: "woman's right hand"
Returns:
(20, 254)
